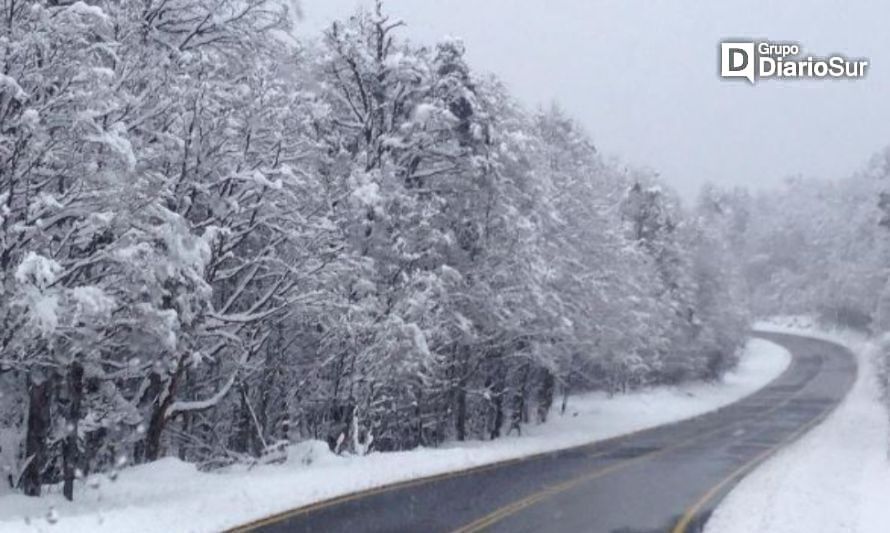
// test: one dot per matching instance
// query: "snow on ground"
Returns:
(835, 479)
(171, 496)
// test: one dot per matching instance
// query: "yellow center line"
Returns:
(345, 498)
(519, 505)
(683, 524)
(516, 506)
(278, 517)
(502, 512)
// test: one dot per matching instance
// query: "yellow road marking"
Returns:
(365, 493)
(291, 513)
(690, 513)
(504, 511)
(515, 507)
(519, 505)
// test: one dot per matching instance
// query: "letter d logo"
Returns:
(737, 60)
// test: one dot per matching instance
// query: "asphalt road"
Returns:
(666, 479)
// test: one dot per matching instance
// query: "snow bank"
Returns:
(834, 479)
(170, 495)
(809, 326)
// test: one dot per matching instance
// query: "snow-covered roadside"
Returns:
(169, 495)
(834, 479)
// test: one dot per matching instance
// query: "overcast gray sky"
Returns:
(641, 76)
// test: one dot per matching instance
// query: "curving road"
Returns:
(665, 479)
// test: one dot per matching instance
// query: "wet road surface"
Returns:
(665, 479)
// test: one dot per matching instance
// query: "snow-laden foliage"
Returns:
(216, 239)
(815, 246)
(820, 248)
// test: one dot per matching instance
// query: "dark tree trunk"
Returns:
(70, 448)
(418, 418)
(519, 407)
(39, 414)
(460, 412)
(147, 403)
(152, 448)
(497, 398)
(498, 414)
(160, 408)
(565, 399)
(266, 428)
(248, 438)
(187, 420)
(460, 376)
(523, 397)
(545, 395)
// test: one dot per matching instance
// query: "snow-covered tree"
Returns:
(217, 238)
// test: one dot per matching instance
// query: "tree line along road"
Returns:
(664, 479)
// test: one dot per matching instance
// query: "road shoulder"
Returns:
(833, 479)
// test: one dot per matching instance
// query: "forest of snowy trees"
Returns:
(217, 238)
(818, 246)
